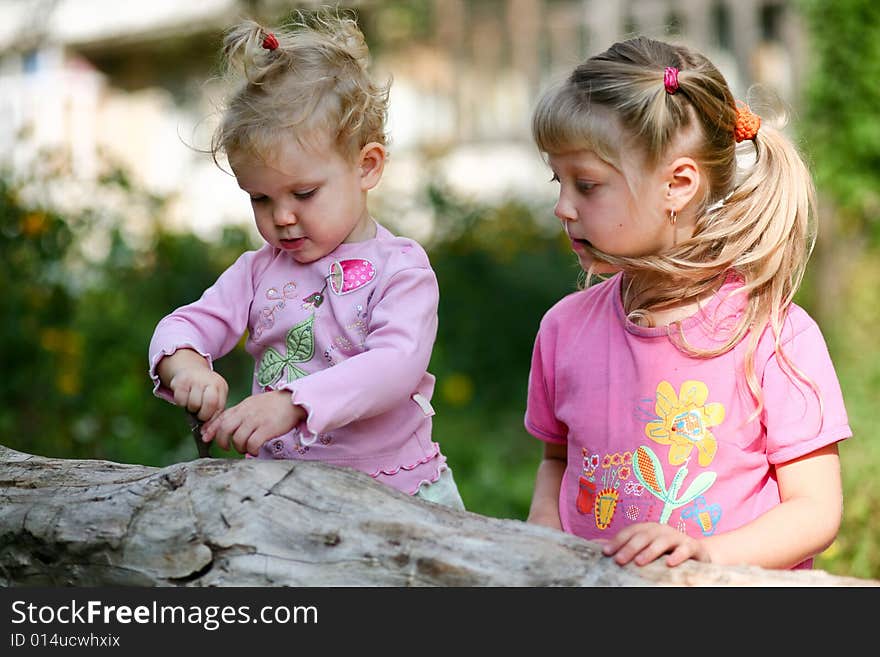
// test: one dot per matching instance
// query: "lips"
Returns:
(292, 244)
(575, 242)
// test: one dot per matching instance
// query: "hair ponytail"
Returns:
(775, 205)
(311, 73)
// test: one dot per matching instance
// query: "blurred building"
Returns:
(100, 81)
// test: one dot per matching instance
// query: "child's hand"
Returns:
(644, 542)
(255, 420)
(195, 386)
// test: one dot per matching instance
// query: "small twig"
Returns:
(195, 427)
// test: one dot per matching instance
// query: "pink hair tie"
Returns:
(670, 79)
(270, 41)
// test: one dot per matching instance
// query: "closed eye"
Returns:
(584, 186)
(305, 195)
(258, 199)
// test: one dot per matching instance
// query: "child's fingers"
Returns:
(256, 440)
(241, 436)
(210, 403)
(209, 428)
(643, 543)
(214, 429)
(660, 545)
(194, 402)
(614, 544)
(626, 551)
(181, 394)
(679, 555)
(222, 392)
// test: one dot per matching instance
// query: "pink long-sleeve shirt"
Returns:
(349, 335)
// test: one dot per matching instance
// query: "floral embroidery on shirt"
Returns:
(587, 482)
(706, 516)
(684, 420)
(266, 319)
(314, 300)
(300, 348)
(609, 472)
(649, 472)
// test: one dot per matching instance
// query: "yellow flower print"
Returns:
(684, 421)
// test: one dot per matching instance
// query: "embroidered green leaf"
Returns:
(301, 341)
(294, 373)
(699, 485)
(271, 365)
(647, 468)
(675, 485)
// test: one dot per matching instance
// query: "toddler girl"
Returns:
(340, 314)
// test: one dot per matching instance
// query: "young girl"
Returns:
(341, 315)
(687, 406)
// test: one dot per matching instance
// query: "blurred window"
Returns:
(30, 62)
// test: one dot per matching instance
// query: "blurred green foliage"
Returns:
(841, 107)
(76, 330)
(841, 134)
(499, 270)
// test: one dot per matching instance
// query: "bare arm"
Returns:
(802, 525)
(545, 500)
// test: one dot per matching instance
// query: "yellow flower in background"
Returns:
(457, 389)
(34, 224)
(68, 381)
(684, 421)
(67, 346)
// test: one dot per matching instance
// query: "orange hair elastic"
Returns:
(747, 123)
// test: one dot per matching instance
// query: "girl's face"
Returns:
(597, 207)
(307, 200)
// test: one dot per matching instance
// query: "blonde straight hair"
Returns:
(759, 223)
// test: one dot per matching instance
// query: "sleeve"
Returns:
(797, 418)
(540, 418)
(212, 325)
(403, 327)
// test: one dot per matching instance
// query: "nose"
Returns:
(564, 210)
(283, 215)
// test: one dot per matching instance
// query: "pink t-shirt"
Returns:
(349, 335)
(653, 434)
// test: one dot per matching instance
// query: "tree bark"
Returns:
(243, 522)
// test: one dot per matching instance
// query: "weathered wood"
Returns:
(223, 522)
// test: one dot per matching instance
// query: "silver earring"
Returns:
(672, 217)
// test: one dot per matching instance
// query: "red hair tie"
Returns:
(670, 79)
(270, 41)
(747, 123)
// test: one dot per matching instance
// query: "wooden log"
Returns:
(243, 522)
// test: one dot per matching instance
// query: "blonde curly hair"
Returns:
(313, 82)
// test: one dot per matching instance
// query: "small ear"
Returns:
(682, 183)
(371, 163)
